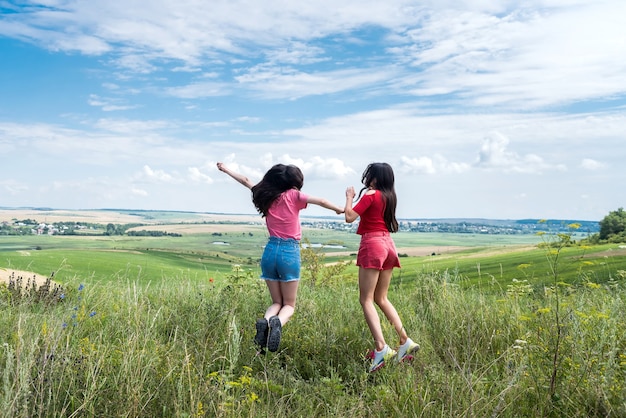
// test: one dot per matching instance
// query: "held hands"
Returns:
(350, 214)
(350, 193)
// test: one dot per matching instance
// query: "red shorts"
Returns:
(377, 251)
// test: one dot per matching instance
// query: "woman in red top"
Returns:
(377, 257)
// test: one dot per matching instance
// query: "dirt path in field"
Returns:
(423, 251)
(5, 275)
(413, 251)
(612, 252)
(202, 228)
(502, 250)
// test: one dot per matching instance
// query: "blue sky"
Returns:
(485, 109)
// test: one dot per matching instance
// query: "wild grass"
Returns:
(183, 347)
(157, 331)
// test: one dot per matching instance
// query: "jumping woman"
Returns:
(278, 198)
(377, 257)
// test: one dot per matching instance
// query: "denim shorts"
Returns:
(281, 260)
(377, 251)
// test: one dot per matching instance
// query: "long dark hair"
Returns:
(380, 176)
(278, 179)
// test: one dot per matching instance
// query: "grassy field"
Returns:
(482, 266)
(199, 255)
(163, 326)
(196, 255)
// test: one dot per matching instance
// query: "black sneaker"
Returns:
(260, 338)
(275, 333)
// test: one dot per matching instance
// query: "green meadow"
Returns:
(509, 326)
(482, 259)
(478, 267)
(199, 256)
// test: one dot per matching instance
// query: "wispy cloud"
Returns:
(592, 165)
(525, 58)
(197, 90)
(13, 187)
(108, 104)
(158, 175)
(318, 167)
(494, 154)
(436, 165)
(195, 174)
(286, 83)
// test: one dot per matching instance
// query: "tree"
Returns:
(110, 229)
(613, 226)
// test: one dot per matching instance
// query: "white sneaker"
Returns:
(406, 349)
(380, 357)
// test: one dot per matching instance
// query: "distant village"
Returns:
(457, 226)
(32, 227)
(469, 226)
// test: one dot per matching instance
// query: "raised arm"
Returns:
(239, 177)
(325, 204)
(351, 215)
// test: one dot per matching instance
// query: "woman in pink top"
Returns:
(279, 199)
(377, 257)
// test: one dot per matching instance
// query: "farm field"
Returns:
(203, 251)
(209, 250)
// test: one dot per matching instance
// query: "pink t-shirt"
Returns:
(283, 217)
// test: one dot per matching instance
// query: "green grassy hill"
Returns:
(163, 326)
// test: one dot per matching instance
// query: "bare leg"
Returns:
(277, 298)
(368, 280)
(290, 292)
(380, 297)
(284, 296)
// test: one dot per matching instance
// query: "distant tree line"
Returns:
(144, 233)
(115, 229)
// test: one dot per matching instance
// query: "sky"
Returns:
(484, 108)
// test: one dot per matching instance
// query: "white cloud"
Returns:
(196, 175)
(139, 192)
(314, 167)
(525, 58)
(438, 164)
(524, 55)
(589, 164)
(248, 119)
(158, 175)
(108, 104)
(13, 187)
(451, 167)
(289, 83)
(298, 53)
(199, 90)
(188, 29)
(420, 165)
(494, 154)
(186, 69)
(132, 126)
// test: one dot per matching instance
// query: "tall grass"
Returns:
(184, 348)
